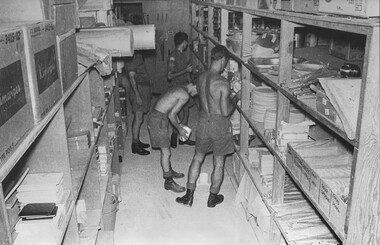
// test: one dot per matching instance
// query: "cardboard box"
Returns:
(315, 184)
(68, 61)
(42, 66)
(16, 117)
(305, 177)
(348, 47)
(297, 166)
(29, 10)
(305, 6)
(325, 195)
(338, 211)
(65, 18)
(325, 107)
(362, 8)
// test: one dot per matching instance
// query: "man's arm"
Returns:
(171, 69)
(227, 104)
(134, 87)
(172, 115)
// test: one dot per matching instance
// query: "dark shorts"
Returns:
(146, 96)
(214, 134)
(159, 129)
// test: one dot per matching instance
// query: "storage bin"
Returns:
(42, 67)
(16, 117)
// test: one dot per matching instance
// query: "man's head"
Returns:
(180, 40)
(220, 57)
(192, 89)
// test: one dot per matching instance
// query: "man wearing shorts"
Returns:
(140, 96)
(214, 131)
(179, 69)
(161, 116)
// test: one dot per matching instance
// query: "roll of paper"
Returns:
(144, 36)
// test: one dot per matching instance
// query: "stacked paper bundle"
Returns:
(41, 188)
(264, 98)
(292, 133)
(44, 231)
(270, 119)
(79, 140)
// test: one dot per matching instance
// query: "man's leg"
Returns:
(169, 184)
(193, 175)
(217, 177)
(136, 125)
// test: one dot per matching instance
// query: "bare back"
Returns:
(172, 101)
(214, 91)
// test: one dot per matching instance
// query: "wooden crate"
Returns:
(42, 67)
(67, 59)
(66, 18)
(16, 117)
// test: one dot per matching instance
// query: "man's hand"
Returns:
(189, 68)
(183, 133)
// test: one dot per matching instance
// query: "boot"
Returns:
(177, 175)
(187, 199)
(143, 145)
(173, 186)
(173, 140)
(214, 199)
(136, 149)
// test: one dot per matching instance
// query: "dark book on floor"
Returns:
(38, 211)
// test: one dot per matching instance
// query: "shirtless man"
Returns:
(214, 132)
(165, 111)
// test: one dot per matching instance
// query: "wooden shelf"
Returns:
(271, 81)
(348, 24)
(198, 58)
(281, 157)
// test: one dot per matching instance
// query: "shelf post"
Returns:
(223, 26)
(5, 233)
(362, 218)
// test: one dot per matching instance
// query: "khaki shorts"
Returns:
(159, 129)
(214, 134)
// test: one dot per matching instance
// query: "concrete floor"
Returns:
(149, 215)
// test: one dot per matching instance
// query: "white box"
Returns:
(42, 66)
(362, 8)
(16, 117)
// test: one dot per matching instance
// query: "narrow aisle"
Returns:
(149, 215)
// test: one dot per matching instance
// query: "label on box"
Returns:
(325, 198)
(46, 68)
(315, 183)
(338, 212)
(305, 177)
(12, 91)
(297, 167)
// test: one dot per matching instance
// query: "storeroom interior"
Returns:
(81, 81)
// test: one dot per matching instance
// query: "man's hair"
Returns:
(218, 52)
(179, 37)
